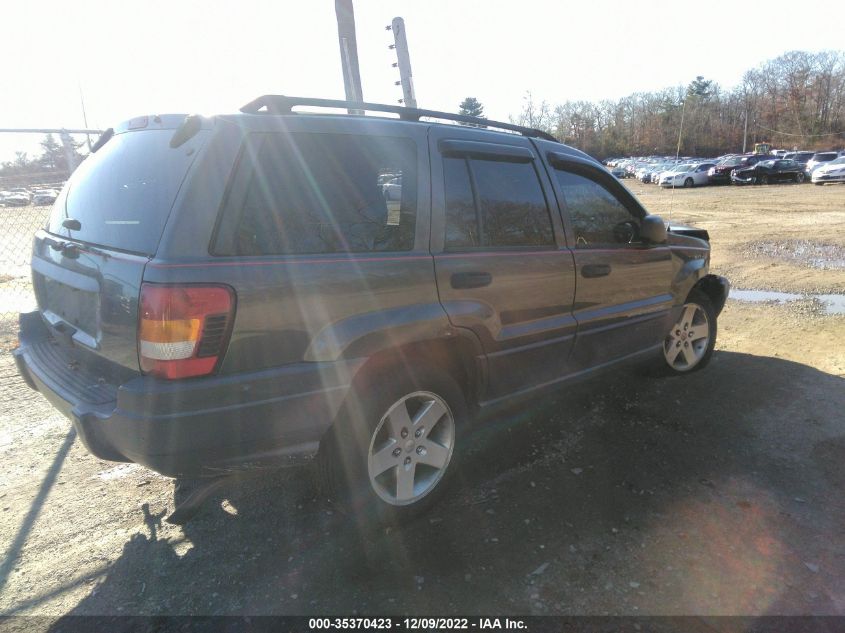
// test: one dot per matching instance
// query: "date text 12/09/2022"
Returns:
(427, 624)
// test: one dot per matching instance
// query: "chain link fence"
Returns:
(18, 226)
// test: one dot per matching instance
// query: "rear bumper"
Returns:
(196, 427)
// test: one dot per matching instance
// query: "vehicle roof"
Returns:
(257, 113)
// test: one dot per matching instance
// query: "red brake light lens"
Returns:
(183, 330)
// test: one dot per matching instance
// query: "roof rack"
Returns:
(281, 104)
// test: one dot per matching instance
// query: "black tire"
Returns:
(342, 464)
(701, 300)
(763, 179)
(799, 177)
(689, 183)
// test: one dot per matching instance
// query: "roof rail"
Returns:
(281, 104)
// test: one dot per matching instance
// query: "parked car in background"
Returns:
(833, 171)
(799, 157)
(392, 189)
(721, 172)
(686, 175)
(819, 158)
(619, 172)
(769, 171)
(43, 197)
(650, 174)
(14, 198)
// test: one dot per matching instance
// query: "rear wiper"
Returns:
(71, 250)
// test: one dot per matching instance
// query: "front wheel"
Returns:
(763, 180)
(688, 183)
(689, 344)
(394, 448)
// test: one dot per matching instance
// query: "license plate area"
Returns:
(77, 308)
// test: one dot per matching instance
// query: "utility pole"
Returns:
(406, 78)
(348, 51)
(70, 154)
(745, 131)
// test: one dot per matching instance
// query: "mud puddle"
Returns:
(804, 252)
(830, 304)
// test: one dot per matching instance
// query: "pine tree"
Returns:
(471, 107)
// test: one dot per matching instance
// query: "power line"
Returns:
(768, 129)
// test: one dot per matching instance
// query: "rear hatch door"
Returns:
(89, 260)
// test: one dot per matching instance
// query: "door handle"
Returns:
(591, 271)
(471, 280)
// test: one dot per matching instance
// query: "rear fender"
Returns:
(364, 335)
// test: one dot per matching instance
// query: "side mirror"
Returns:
(653, 230)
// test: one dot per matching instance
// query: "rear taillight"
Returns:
(183, 330)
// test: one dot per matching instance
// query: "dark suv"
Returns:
(238, 292)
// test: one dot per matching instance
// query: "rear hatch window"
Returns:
(122, 194)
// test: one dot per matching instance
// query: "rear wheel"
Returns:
(799, 177)
(689, 344)
(394, 448)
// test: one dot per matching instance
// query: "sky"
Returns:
(132, 58)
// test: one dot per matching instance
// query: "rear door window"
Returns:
(496, 204)
(122, 194)
(303, 193)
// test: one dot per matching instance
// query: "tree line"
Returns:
(794, 101)
(53, 157)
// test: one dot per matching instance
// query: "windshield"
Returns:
(122, 194)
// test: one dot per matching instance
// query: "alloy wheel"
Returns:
(688, 339)
(411, 448)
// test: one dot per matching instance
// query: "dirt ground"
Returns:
(714, 493)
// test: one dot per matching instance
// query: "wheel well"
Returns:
(714, 288)
(455, 355)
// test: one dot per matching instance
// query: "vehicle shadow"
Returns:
(629, 495)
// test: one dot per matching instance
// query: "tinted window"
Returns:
(462, 221)
(512, 209)
(123, 193)
(598, 217)
(512, 204)
(824, 156)
(323, 193)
